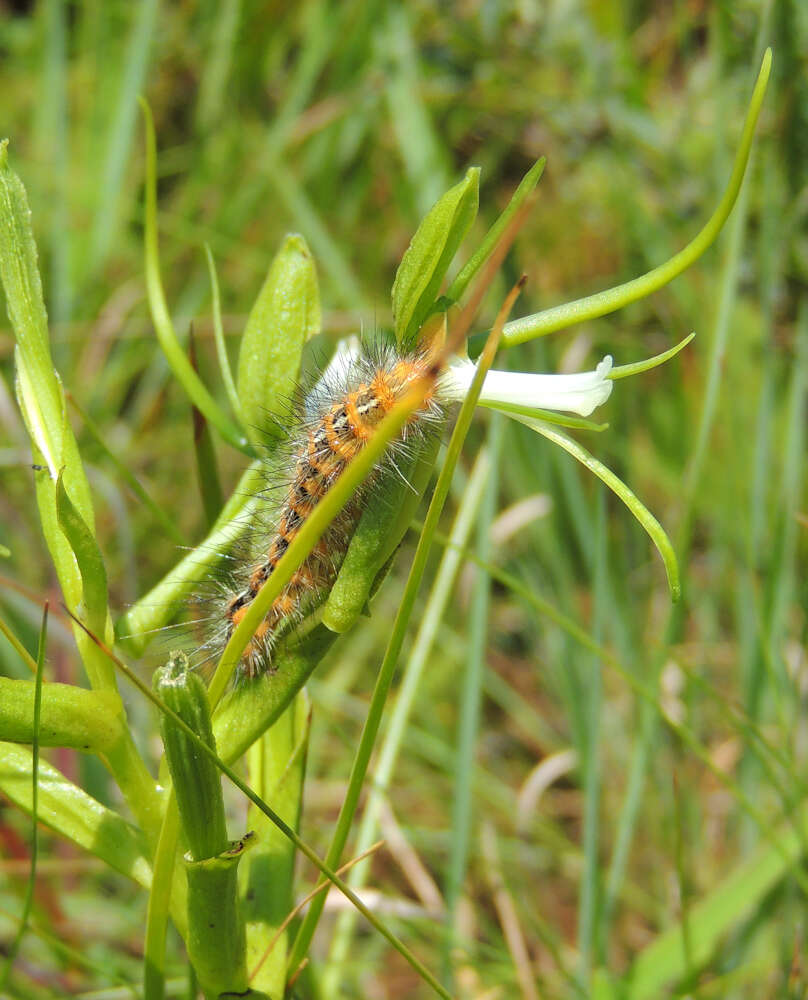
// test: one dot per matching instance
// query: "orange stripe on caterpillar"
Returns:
(337, 421)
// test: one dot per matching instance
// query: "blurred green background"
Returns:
(345, 122)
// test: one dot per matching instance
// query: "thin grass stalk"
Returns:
(157, 912)
(470, 706)
(54, 137)
(28, 902)
(590, 768)
(299, 843)
(161, 317)
(385, 675)
(434, 610)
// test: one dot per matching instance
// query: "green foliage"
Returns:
(286, 314)
(629, 808)
(197, 782)
(431, 251)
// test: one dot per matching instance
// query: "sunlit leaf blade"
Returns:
(430, 253)
(637, 367)
(74, 814)
(285, 316)
(654, 529)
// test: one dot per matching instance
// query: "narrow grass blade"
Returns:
(29, 892)
(299, 843)
(423, 155)
(468, 723)
(161, 317)
(53, 140)
(218, 336)
(207, 472)
(154, 946)
(589, 762)
(117, 153)
(385, 675)
(654, 529)
(223, 42)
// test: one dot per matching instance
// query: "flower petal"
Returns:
(579, 393)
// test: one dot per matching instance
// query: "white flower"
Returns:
(579, 393)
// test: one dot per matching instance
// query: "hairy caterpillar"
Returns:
(330, 427)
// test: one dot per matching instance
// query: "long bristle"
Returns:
(332, 425)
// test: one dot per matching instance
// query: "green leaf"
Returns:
(492, 237)
(41, 398)
(286, 314)
(88, 557)
(654, 529)
(429, 255)
(70, 717)
(69, 811)
(38, 388)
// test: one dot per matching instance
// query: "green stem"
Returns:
(385, 676)
(469, 710)
(405, 699)
(161, 317)
(218, 336)
(71, 716)
(601, 303)
(29, 893)
(299, 843)
(154, 947)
